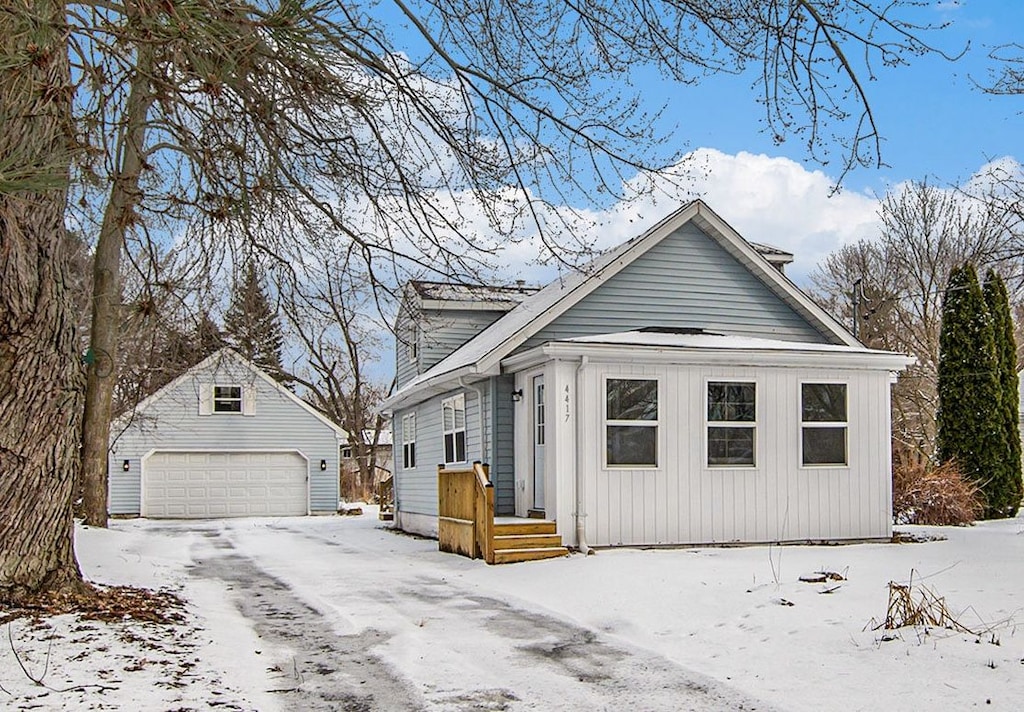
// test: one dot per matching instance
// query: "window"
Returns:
(732, 412)
(346, 453)
(227, 399)
(453, 420)
(409, 441)
(823, 420)
(631, 422)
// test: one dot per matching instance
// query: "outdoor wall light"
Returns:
(517, 395)
(126, 465)
(323, 465)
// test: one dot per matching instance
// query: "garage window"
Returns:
(227, 399)
(453, 418)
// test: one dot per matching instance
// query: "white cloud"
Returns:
(771, 200)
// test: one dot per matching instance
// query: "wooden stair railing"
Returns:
(465, 509)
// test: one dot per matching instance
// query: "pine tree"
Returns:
(252, 327)
(998, 303)
(970, 429)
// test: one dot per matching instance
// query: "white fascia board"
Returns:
(796, 358)
(419, 391)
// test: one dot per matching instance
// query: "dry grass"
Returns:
(935, 495)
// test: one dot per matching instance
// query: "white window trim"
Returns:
(240, 400)
(801, 424)
(605, 422)
(454, 401)
(755, 423)
(409, 426)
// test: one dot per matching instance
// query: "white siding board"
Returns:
(685, 501)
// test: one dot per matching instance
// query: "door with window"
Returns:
(539, 438)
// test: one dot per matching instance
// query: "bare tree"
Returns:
(334, 314)
(200, 121)
(897, 285)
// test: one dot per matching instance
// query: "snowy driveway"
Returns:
(338, 613)
(356, 618)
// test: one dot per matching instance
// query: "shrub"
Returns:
(934, 494)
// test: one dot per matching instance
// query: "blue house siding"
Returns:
(687, 280)
(171, 421)
(416, 488)
(503, 459)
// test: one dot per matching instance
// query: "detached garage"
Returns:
(224, 440)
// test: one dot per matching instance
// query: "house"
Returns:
(224, 440)
(677, 390)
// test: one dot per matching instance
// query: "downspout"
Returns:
(581, 513)
(479, 416)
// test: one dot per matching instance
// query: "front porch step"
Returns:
(509, 556)
(523, 526)
(527, 541)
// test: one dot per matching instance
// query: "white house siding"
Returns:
(684, 501)
(687, 280)
(172, 422)
(416, 488)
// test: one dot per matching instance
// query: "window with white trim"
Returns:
(227, 399)
(409, 441)
(453, 421)
(413, 345)
(823, 427)
(631, 422)
(732, 423)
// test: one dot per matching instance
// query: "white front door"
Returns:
(538, 442)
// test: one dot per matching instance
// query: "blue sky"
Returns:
(935, 121)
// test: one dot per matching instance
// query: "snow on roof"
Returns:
(772, 253)
(707, 340)
(455, 292)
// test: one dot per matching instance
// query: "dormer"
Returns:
(435, 318)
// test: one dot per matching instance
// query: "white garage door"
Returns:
(199, 485)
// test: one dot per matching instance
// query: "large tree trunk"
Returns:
(40, 378)
(106, 306)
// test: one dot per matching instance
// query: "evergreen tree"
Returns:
(998, 303)
(252, 327)
(970, 429)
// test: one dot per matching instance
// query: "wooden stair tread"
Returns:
(526, 541)
(523, 528)
(508, 556)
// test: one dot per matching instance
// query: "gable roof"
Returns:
(226, 353)
(482, 354)
(454, 295)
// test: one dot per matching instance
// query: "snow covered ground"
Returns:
(339, 613)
